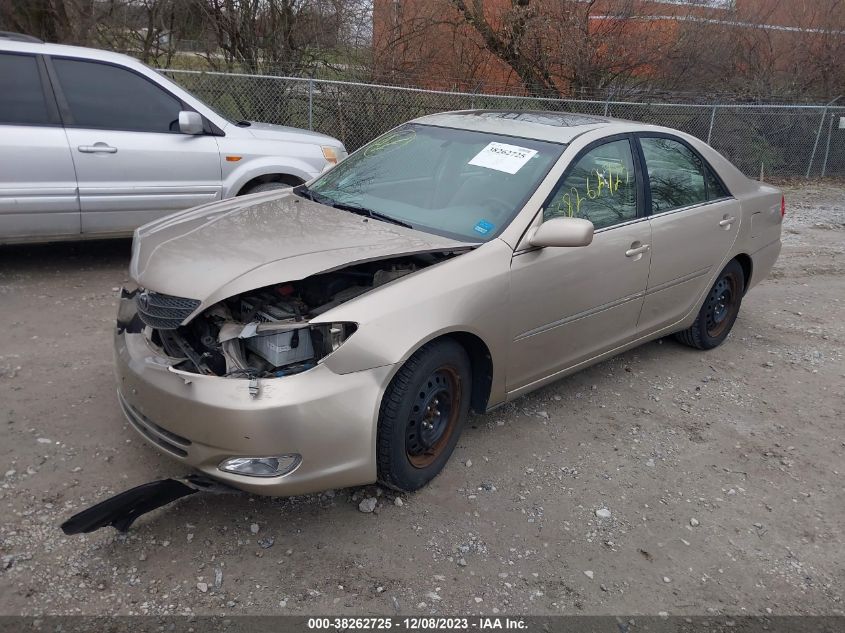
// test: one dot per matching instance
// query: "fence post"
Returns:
(310, 103)
(712, 120)
(472, 98)
(816, 144)
(818, 135)
(827, 148)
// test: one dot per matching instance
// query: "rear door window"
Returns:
(678, 177)
(107, 97)
(22, 100)
(715, 188)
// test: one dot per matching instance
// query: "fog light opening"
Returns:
(275, 466)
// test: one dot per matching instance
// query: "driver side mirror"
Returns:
(562, 232)
(190, 122)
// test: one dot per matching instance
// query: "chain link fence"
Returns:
(781, 141)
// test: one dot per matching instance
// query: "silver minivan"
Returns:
(95, 144)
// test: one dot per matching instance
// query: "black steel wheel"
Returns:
(434, 416)
(718, 314)
(722, 305)
(422, 414)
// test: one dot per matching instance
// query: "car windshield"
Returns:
(458, 183)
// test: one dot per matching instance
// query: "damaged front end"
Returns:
(121, 510)
(269, 332)
(192, 378)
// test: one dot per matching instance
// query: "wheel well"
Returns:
(482, 368)
(259, 180)
(747, 267)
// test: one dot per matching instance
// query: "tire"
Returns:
(718, 314)
(422, 414)
(266, 186)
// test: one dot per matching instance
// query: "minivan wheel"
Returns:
(273, 185)
(718, 314)
(422, 414)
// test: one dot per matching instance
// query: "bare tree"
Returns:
(539, 47)
(283, 36)
(50, 20)
(583, 47)
(817, 63)
(516, 39)
(551, 47)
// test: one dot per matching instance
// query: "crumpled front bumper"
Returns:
(329, 419)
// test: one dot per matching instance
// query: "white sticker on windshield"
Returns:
(503, 157)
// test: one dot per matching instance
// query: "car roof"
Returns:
(558, 127)
(42, 48)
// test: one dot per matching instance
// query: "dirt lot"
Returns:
(722, 472)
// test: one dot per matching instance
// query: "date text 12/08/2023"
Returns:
(424, 623)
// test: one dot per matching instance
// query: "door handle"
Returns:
(97, 148)
(727, 221)
(638, 250)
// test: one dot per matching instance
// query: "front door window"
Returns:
(601, 187)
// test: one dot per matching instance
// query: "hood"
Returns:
(219, 250)
(271, 132)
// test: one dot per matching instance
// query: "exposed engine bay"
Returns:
(266, 332)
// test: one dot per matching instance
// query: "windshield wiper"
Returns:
(368, 213)
(305, 192)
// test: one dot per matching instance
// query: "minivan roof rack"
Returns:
(19, 37)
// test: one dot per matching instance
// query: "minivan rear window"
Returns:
(22, 99)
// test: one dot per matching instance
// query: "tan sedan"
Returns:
(339, 332)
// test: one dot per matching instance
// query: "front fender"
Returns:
(256, 167)
(469, 293)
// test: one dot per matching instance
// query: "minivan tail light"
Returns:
(782, 206)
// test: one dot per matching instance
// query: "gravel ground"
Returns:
(663, 480)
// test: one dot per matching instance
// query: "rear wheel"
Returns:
(718, 314)
(422, 415)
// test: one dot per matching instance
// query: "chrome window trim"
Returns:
(691, 206)
(620, 225)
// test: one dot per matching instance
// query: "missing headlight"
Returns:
(269, 332)
(329, 336)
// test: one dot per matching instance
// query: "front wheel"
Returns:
(262, 187)
(422, 415)
(718, 314)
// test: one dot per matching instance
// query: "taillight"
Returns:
(782, 206)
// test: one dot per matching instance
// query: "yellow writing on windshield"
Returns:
(390, 141)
